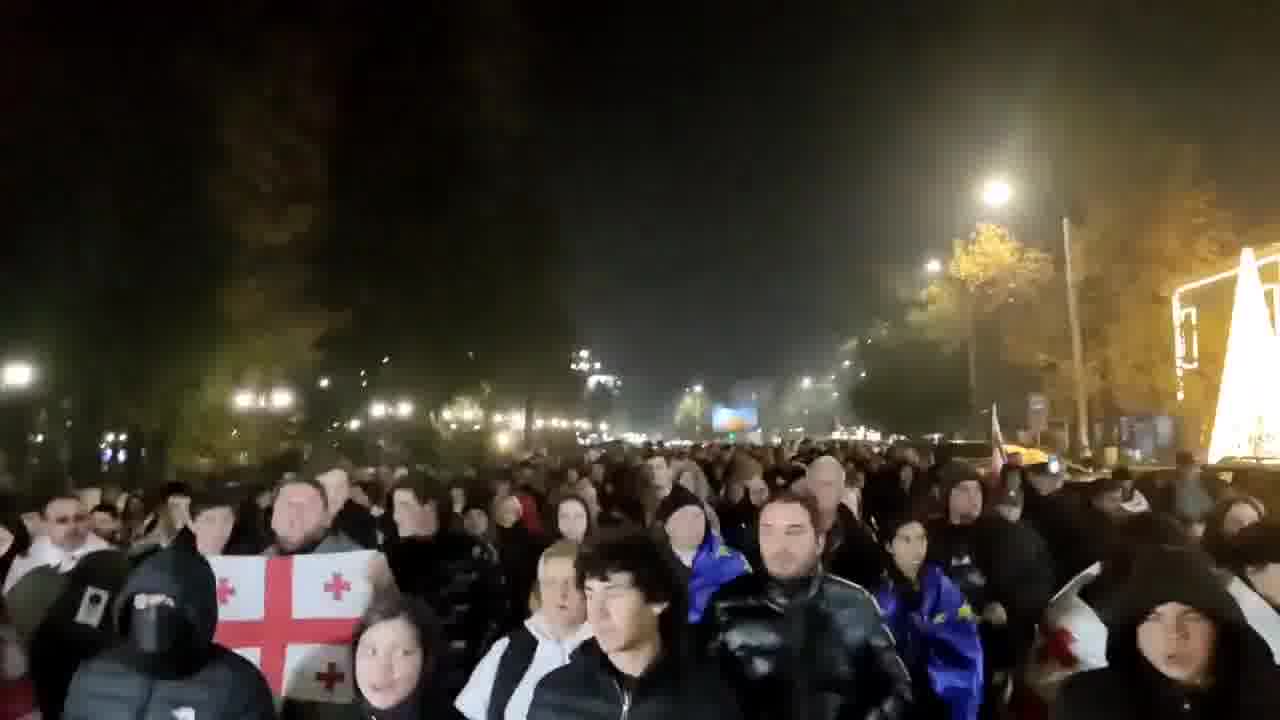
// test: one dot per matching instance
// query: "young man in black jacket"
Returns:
(636, 667)
(797, 643)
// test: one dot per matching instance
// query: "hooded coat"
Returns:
(210, 682)
(1245, 678)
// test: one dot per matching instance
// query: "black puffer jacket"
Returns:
(588, 688)
(209, 683)
(460, 578)
(814, 649)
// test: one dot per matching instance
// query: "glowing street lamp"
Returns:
(404, 409)
(354, 424)
(697, 389)
(243, 400)
(17, 375)
(324, 382)
(806, 382)
(281, 399)
(996, 193)
(933, 266)
(378, 410)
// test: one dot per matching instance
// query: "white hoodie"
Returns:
(473, 701)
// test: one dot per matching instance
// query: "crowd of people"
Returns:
(824, 581)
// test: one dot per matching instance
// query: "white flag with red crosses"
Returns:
(294, 616)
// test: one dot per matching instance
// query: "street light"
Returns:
(243, 399)
(697, 389)
(281, 399)
(933, 266)
(354, 424)
(17, 375)
(324, 382)
(377, 410)
(806, 382)
(996, 193)
(404, 409)
(847, 364)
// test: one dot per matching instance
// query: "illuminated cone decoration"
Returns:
(1248, 418)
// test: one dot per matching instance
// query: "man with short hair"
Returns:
(457, 575)
(797, 643)
(105, 520)
(66, 539)
(849, 550)
(345, 515)
(634, 667)
(300, 520)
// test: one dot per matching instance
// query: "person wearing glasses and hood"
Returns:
(168, 665)
(1178, 646)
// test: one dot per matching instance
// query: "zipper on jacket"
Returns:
(146, 700)
(626, 700)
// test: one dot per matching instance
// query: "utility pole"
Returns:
(1077, 350)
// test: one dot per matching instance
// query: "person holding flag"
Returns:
(936, 629)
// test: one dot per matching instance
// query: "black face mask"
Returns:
(161, 630)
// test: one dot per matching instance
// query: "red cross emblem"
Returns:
(337, 586)
(277, 629)
(330, 678)
(225, 590)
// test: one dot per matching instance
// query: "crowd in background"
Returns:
(817, 580)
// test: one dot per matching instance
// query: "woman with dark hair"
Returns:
(395, 647)
(936, 630)
(573, 519)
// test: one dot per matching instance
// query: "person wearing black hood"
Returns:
(518, 551)
(1178, 646)
(455, 574)
(168, 665)
(397, 649)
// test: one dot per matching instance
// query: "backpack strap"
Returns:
(515, 662)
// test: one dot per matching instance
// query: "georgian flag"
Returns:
(294, 617)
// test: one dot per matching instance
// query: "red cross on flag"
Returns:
(293, 617)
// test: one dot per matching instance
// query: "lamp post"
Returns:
(996, 193)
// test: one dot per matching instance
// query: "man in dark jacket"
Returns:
(635, 667)
(456, 575)
(169, 665)
(797, 643)
(849, 550)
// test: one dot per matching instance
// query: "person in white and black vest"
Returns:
(502, 685)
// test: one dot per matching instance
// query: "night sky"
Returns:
(742, 188)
